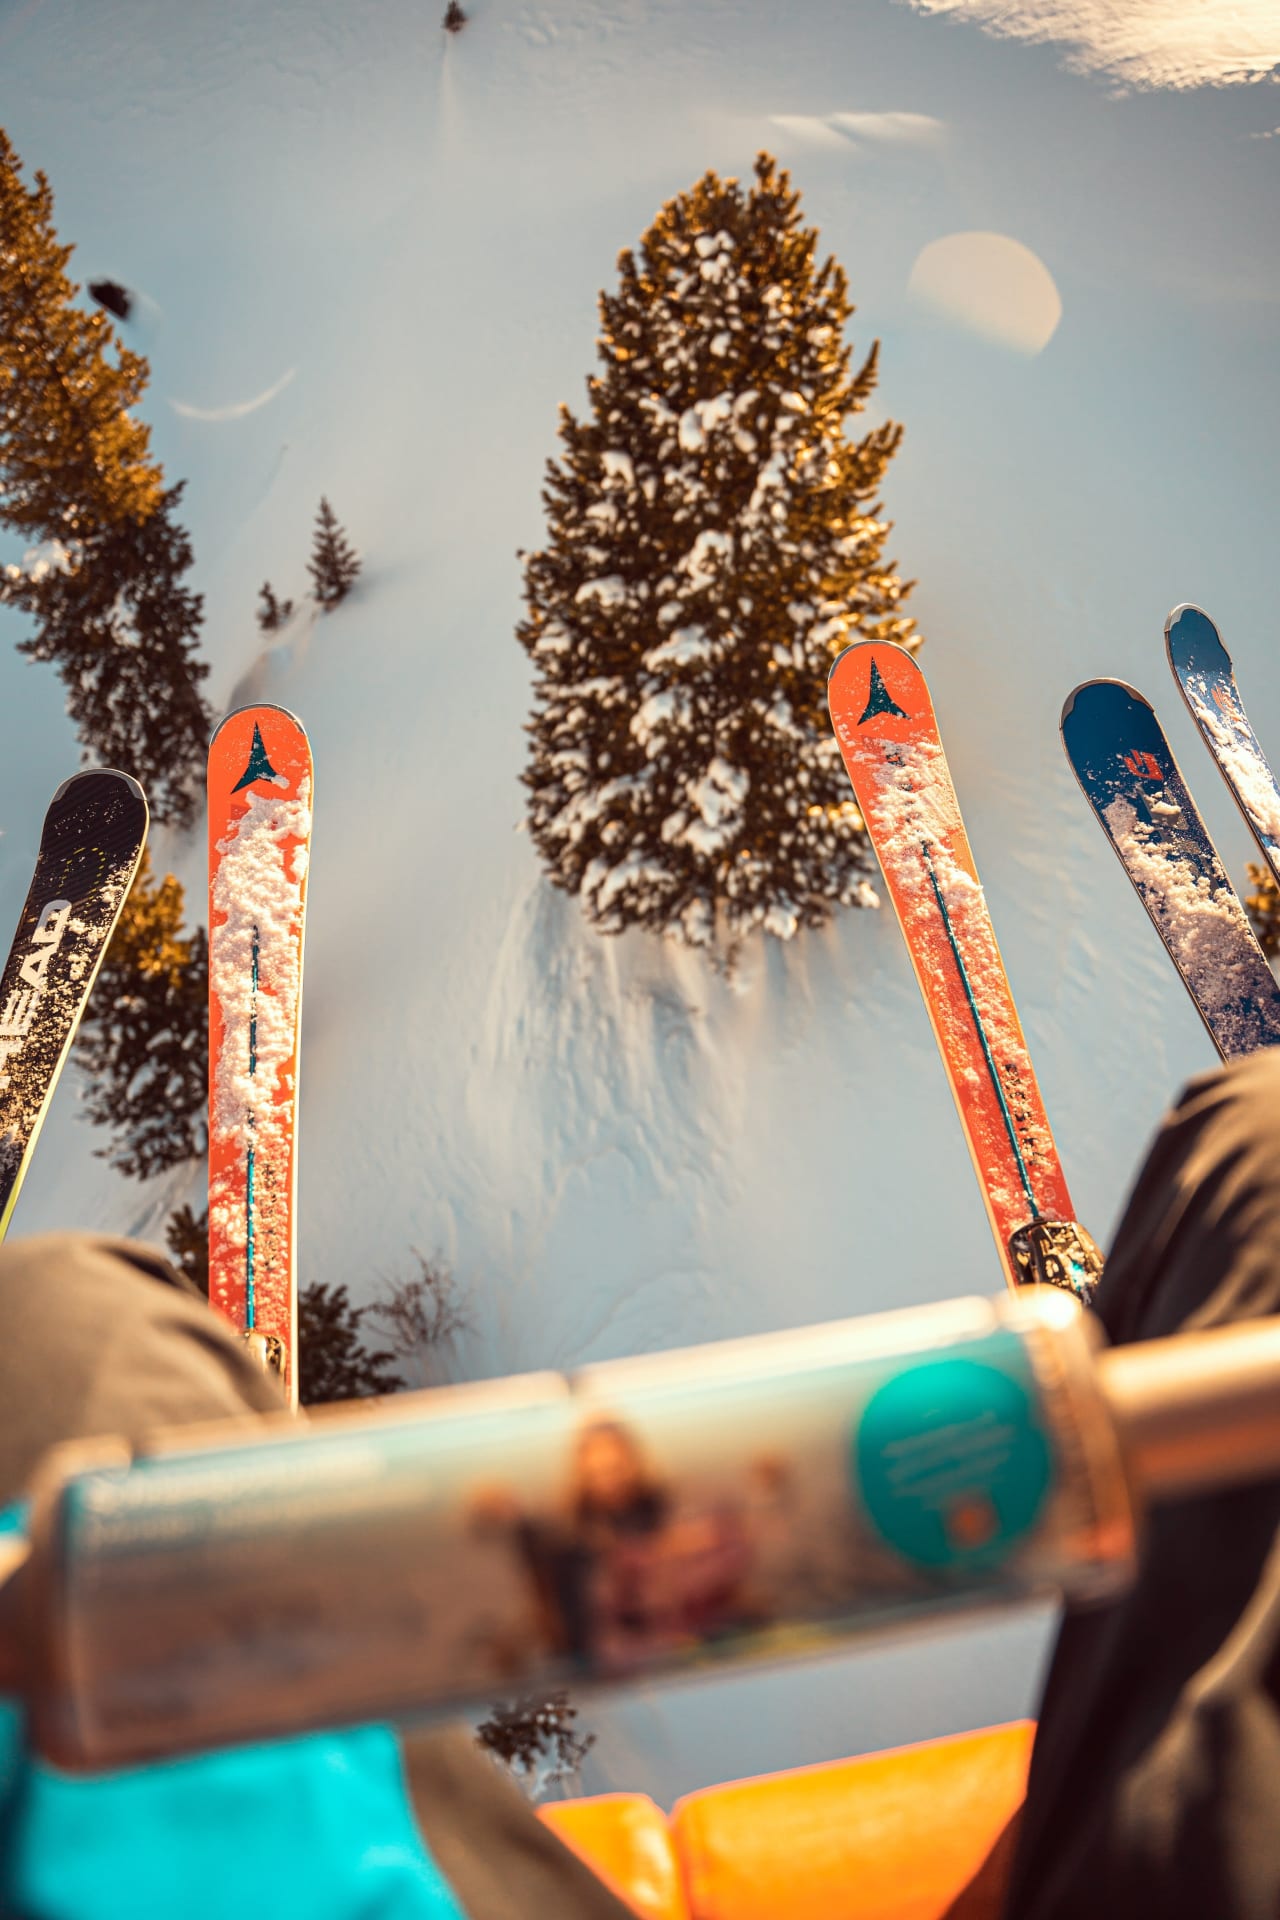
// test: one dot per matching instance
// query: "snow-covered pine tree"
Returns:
(71, 454)
(144, 1040)
(334, 565)
(103, 580)
(714, 540)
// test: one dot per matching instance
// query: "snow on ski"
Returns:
(260, 779)
(1204, 673)
(1130, 778)
(92, 841)
(884, 721)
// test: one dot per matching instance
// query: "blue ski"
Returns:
(1122, 760)
(1202, 668)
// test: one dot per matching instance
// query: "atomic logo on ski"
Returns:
(93, 837)
(1111, 735)
(259, 840)
(878, 698)
(259, 767)
(884, 721)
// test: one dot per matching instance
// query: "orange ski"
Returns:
(884, 721)
(259, 839)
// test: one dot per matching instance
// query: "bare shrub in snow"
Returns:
(714, 540)
(420, 1316)
(272, 613)
(536, 1741)
(334, 565)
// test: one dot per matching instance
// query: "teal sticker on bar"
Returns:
(953, 1464)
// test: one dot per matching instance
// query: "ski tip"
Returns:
(1192, 641)
(1091, 695)
(859, 650)
(1185, 609)
(840, 665)
(257, 706)
(133, 787)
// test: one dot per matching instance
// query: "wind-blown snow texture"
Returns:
(614, 1149)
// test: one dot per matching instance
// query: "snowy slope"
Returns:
(369, 256)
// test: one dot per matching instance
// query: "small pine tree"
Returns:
(334, 1363)
(273, 613)
(536, 1740)
(72, 457)
(187, 1239)
(454, 18)
(144, 1040)
(334, 565)
(714, 541)
(1264, 908)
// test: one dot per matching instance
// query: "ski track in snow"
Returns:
(612, 1073)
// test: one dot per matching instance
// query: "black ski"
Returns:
(93, 837)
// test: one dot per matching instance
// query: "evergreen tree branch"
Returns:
(107, 595)
(144, 1041)
(333, 1361)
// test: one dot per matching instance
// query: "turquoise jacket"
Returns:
(314, 1828)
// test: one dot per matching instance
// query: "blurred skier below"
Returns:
(104, 1336)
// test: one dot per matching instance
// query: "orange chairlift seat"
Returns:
(915, 1833)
